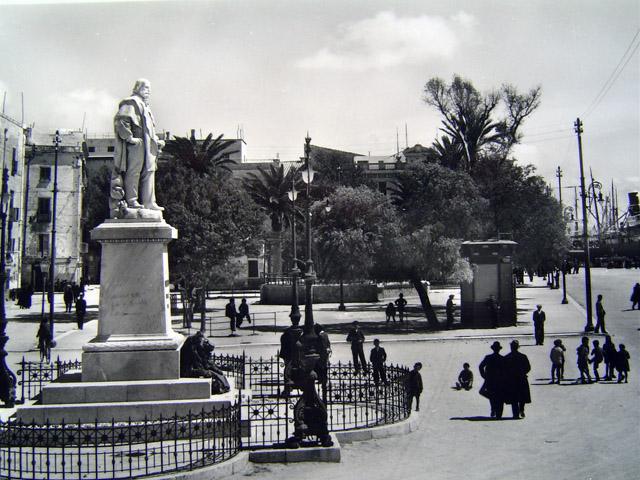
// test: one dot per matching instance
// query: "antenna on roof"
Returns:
(397, 142)
(406, 136)
(4, 99)
(84, 118)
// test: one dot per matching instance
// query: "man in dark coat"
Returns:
(517, 385)
(81, 310)
(492, 370)
(232, 314)
(378, 357)
(450, 309)
(600, 313)
(539, 318)
(356, 339)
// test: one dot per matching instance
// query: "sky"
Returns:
(351, 73)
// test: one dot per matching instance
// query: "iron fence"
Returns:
(137, 449)
(34, 375)
(119, 449)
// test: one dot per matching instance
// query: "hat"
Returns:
(515, 342)
(496, 346)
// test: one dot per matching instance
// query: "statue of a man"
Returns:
(136, 149)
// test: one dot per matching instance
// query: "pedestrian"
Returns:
(231, 313)
(243, 312)
(557, 279)
(390, 312)
(517, 368)
(539, 318)
(67, 296)
(401, 303)
(622, 364)
(492, 370)
(322, 367)
(378, 357)
(356, 338)
(600, 313)
(450, 309)
(414, 386)
(583, 361)
(494, 310)
(465, 378)
(45, 340)
(81, 310)
(610, 353)
(597, 357)
(557, 361)
(635, 297)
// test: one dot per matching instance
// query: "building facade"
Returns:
(13, 157)
(40, 177)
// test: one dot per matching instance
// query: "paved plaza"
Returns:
(571, 431)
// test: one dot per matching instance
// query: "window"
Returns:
(253, 269)
(44, 210)
(14, 162)
(111, 149)
(45, 174)
(382, 187)
(43, 244)
(92, 149)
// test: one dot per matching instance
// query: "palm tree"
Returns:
(202, 156)
(269, 190)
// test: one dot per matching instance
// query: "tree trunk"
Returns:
(202, 301)
(276, 253)
(432, 320)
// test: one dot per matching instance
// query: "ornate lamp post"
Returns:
(295, 271)
(52, 267)
(7, 377)
(310, 412)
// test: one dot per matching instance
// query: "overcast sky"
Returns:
(350, 72)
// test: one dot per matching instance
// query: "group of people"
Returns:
(613, 360)
(236, 315)
(505, 380)
(398, 306)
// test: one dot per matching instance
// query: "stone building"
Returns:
(13, 149)
(39, 185)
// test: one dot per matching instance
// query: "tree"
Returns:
(269, 189)
(349, 236)
(450, 201)
(204, 156)
(468, 117)
(217, 222)
(422, 254)
(520, 203)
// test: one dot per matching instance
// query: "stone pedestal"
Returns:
(135, 340)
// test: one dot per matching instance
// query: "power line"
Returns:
(614, 74)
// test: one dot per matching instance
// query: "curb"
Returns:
(234, 465)
(383, 431)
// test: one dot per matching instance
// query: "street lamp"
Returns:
(295, 271)
(310, 417)
(585, 234)
(44, 272)
(564, 262)
(52, 267)
(7, 377)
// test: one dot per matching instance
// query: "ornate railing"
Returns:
(138, 449)
(119, 449)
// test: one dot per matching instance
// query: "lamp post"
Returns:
(7, 377)
(52, 267)
(44, 271)
(585, 234)
(310, 412)
(564, 262)
(295, 271)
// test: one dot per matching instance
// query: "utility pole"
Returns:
(564, 261)
(585, 233)
(52, 268)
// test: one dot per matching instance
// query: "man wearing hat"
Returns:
(356, 339)
(517, 384)
(492, 370)
(538, 325)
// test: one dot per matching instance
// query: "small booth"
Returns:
(489, 300)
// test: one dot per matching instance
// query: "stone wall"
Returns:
(271, 294)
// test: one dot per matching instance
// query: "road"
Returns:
(571, 431)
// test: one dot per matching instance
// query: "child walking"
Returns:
(414, 385)
(557, 361)
(623, 364)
